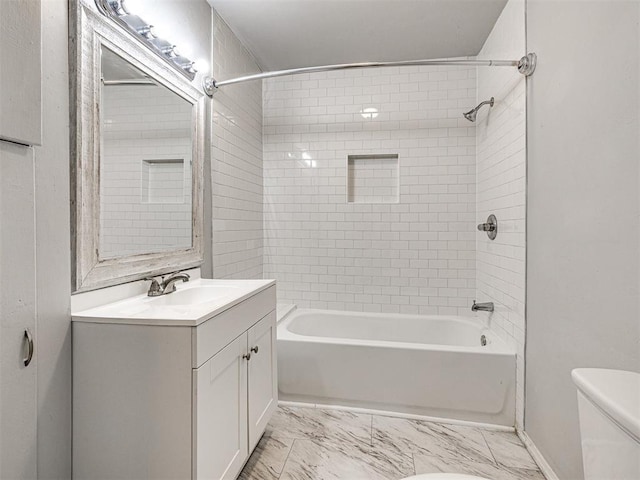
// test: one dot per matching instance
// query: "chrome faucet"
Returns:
(167, 286)
(484, 307)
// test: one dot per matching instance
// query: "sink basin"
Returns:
(194, 295)
(191, 304)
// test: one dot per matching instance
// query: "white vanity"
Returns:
(179, 386)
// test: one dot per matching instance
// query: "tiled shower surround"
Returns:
(414, 250)
(415, 255)
(502, 170)
(236, 163)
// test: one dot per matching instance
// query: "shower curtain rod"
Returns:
(526, 66)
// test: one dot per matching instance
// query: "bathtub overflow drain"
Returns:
(483, 340)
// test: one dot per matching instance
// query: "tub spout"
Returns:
(484, 307)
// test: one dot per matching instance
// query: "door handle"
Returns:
(247, 356)
(29, 340)
(255, 349)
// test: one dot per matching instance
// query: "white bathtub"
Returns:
(431, 366)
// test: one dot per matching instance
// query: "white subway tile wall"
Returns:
(501, 173)
(142, 126)
(414, 256)
(236, 169)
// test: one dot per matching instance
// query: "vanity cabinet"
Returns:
(159, 399)
(236, 394)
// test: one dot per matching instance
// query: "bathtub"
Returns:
(432, 366)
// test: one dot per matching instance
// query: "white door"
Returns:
(220, 421)
(17, 313)
(263, 379)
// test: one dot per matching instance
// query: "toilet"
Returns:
(609, 412)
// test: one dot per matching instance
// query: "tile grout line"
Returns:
(505, 466)
(490, 449)
(371, 432)
(286, 460)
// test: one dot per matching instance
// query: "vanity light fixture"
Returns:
(138, 28)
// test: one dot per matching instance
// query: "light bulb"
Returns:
(201, 65)
(186, 49)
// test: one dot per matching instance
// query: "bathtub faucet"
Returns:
(484, 307)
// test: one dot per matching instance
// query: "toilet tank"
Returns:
(609, 411)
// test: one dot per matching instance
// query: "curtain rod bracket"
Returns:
(527, 64)
(209, 86)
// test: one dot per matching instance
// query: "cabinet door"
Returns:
(220, 420)
(17, 313)
(263, 380)
(20, 75)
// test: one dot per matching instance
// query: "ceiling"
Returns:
(298, 33)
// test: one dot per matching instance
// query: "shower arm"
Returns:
(482, 104)
(526, 66)
(471, 114)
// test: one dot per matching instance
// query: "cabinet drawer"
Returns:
(213, 335)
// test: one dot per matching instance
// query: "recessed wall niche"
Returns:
(372, 178)
(163, 181)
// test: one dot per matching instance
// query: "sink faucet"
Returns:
(484, 307)
(167, 286)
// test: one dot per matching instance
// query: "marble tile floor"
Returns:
(323, 444)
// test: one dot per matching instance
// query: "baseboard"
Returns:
(544, 466)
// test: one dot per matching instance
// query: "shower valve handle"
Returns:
(486, 227)
(491, 227)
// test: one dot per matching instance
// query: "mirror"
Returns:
(145, 163)
(137, 146)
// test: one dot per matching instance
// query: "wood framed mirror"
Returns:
(137, 149)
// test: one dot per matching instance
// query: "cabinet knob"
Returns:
(247, 356)
(255, 349)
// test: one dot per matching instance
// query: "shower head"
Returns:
(472, 114)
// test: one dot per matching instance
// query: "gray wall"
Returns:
(53, 267)
(583, 245)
